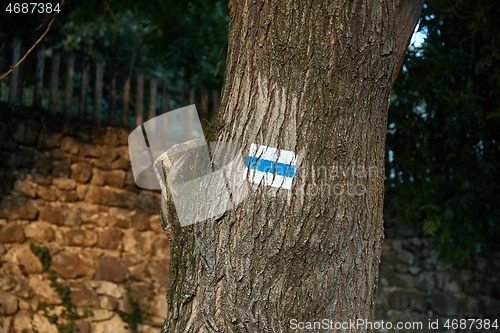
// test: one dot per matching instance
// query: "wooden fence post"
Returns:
(153, 89)
(20, 80)
(2, 55)
(83, 92)
(215, 101)
(126, 102)
(68, 95)
(2, 48)
(187, 120)
(164, 96)
(191, 95)
(99, 72)
(14, 76)
(112, 98)
(204, 103)
(40, 66)
(54, 82)
(139, 99)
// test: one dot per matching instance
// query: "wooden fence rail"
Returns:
(69, 71)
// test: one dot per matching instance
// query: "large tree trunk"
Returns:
(312, 77)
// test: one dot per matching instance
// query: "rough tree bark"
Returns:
(312, 77)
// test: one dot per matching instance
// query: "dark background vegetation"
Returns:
(443, 142)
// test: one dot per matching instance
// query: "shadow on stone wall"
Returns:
(415, 287)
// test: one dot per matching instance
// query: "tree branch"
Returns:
(407, 16)
(32, 48)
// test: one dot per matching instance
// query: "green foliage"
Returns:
(136, 316)
(443, 139)
(69, 312)
(43, 255)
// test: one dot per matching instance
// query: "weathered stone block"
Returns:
(159, 270)
(49, 140)
(110, 197)
(26, 187)
(11, 233)
(42, 324)
(140, 220)
(98, 177)
(82, 326)
(80, 237)
(55, 154)
(72, 265)
(107, 288)
(120, 217)
(6, 324)
(22, 257)
(44, 291)
(122, 136)
(60, 169)
(40, 179)
(155, 225)
(42, 165)
(70, 145)
(22, 288)
(7, 282)
(107, 303)
(83, 297)
(142, 292)
(64, 183)
(136, 242)
(66, 196)
(52, 215)
(83, 212)
(115, 325)
(444, 304)
(81, 172)
(8, 304)
(490, 307)
(47, 193)
(161, 307)
(111, 269)
(149, 201)
(81, 191)
(115, 178)
(17, 208)
(39, 232)
(88, 150)
(419, 302)
(162, 247)
(399, 299)
(467, 306)
(110, 239)
(110, 138)
(113, 158)
(22, 322)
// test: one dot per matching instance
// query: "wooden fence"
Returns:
(76, 86)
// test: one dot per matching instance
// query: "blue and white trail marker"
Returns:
(270, 166)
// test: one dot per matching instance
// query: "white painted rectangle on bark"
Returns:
(270, 166)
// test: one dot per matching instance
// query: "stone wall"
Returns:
(69, 188)
(415, 286)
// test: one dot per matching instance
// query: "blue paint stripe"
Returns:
(281, 169)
